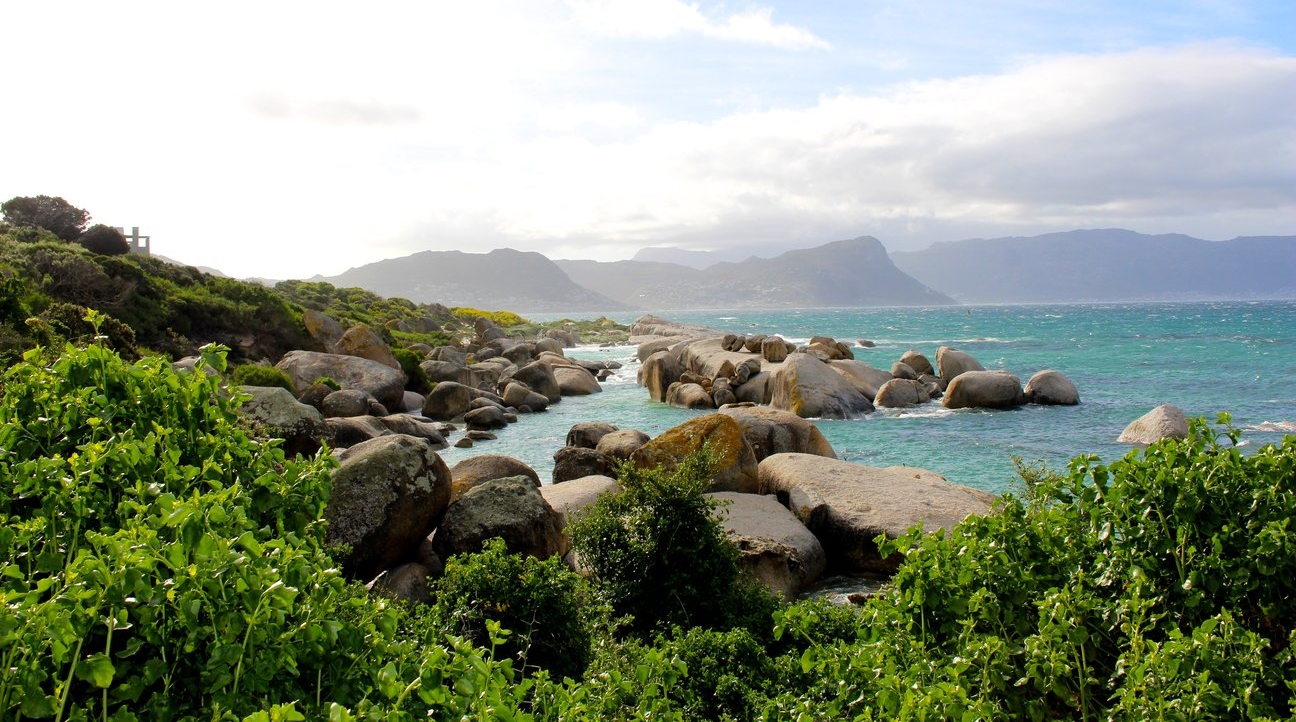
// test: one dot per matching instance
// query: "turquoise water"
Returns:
(1125, 359)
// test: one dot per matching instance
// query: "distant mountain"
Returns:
(857, 272)
(1106, 265)
(681, 256)
(503, 279)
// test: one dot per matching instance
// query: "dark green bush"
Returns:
(417, 379)
(547, 607)
(104, 240)
(258, 375)
(660, 554)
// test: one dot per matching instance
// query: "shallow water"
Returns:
(1125, 359)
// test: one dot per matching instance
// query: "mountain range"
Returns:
(1075, 266)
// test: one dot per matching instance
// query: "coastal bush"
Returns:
(1153, 587)
(48, 212)
(503, 319)
(662, 557)
(258, 375)
(416, 378)
(547, 607)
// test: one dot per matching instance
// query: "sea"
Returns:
(1125, 359)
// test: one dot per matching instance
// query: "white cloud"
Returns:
(660, 19)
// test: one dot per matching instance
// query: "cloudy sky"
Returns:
(288, 139)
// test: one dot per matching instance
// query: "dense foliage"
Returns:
(104, 240)
(159, 561)
(50, 213)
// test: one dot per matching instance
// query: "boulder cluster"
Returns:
(398, 512)
(695, 368)
(357, 390)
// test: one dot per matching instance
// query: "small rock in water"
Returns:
(865, 343)
(464, 443)
(480, 435)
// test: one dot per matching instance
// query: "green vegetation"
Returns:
(503, 319)
(51, 214)
(258, 375)
(104, 240)
(158, 561)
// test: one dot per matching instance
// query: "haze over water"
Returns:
(1125, 359)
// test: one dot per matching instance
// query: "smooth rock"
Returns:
(575, 381)
(571, 497)
(573, 462)
(361, 341)
(621, 444)
(586, 434)
(848, 505)
(482, 468)
(1053, 388)
(351, 372)
(511, 509)
(918, 362)
(737, 461)
(1163, 422)
(810, 388)
(281, 415)
(775, 546)
(773, 431)
(985, 390)
(900, 393)
(951, 362)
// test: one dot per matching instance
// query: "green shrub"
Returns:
(660, 554)
(329, 382)
(503, 319)
(547, 607)
(258, 375)
(416, 377)
(63, 323)
(104, 240)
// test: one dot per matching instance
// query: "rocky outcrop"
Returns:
(351, 402)
(351, 372)
(361, 341)
(773, 431)
(276, 411)
(575, 381)
(774, 545)
(447, 400)
(689, 396)
(586, 434)
(622, 444)
(322, 328)
(571, 497)
(347, 431)
(847, 505)
(810, 388)
(951, 362)
(901, 393)
(865, 378)
(737, 463)
(1163, 422)
(511, 509)
(918, 362)
(482, 468)
(539, 377)
(387, 496)
(573, 462)
(984, 390)
(1051, 388)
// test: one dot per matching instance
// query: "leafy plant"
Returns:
(259, 375)
(547, 607)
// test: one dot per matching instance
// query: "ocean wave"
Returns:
(1273, 427)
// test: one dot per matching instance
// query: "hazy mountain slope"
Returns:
(502, 279)
(857, 272)
(1105, 265)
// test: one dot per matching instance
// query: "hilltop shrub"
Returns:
(259, 375)
(503, 319)
(547, 607)
(104, 240)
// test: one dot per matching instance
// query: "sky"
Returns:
(290, 139)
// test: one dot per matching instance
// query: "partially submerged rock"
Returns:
(810, 388)
(1163, 422)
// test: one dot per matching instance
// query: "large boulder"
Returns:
(276, 411)
(539, 377)
(573, 462)
(347, 431)
(918, 362)
(775, 546)
(658, 372)
(1163, 422)
(756, 389)
(737, 461)
(485, 418)
(622, 444)
(586, 434)
(899, 393)
(773, 431)
(438, 371)
(865, 378)
(351, 402)
(774, 349)
(847, 506)
(518, 395)
(387, 496)
(323, 328)
(361, 341)
(810, 388)
(951, 362)
(571, 497)
(683, 395)
(351, 372)
(1052, 388)
(447, 400)
(510, 509)
(984, 390)
(413, 426)
(480, 469)
(575, 381)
